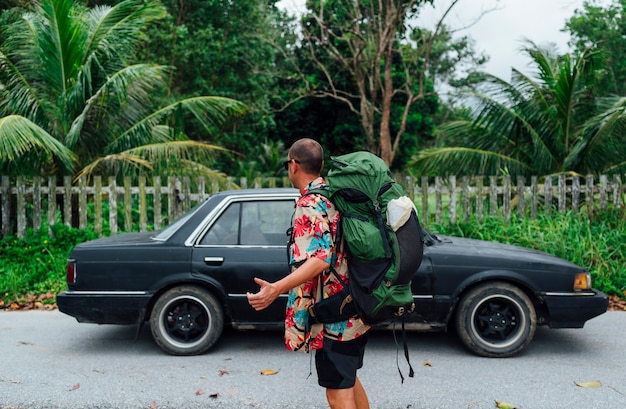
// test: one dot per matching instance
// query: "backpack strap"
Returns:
(406, 350)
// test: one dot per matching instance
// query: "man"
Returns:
(339, 346)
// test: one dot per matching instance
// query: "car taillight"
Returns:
(582, 281)
(70, 274)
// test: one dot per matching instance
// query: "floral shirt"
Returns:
(314, 230)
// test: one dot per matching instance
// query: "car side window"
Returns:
(225, 230)
(253, 223)
(265, 222)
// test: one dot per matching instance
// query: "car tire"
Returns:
(186, 320)
(496, 320)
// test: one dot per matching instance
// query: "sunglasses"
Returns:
(287, 162)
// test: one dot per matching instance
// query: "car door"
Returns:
(247, 239)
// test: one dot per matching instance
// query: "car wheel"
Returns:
(496, 320)
(186, 321)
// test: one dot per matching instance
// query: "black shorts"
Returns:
(338, 361)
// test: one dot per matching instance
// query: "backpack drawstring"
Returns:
(406, 350)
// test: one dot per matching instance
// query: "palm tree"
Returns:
(73, 101)
(548, 125)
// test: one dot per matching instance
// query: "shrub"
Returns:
(36, 263)
(598, 244)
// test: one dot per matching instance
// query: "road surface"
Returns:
(48, 360)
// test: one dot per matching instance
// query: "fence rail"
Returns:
(142, 204)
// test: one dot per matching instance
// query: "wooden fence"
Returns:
(143, 205)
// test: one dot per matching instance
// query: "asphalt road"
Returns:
(48, 360)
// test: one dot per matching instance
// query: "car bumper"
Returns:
(572, 310)
(104, 307)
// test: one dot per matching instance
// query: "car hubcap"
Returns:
(498, 321)
(186, 321)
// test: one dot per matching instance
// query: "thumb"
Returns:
(262, 283)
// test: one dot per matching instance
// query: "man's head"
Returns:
(305, 162)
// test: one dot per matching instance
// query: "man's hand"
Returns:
(266, 295)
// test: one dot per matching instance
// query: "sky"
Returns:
(500, 33)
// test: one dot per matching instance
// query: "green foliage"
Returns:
(598, 244)
(602, 26)
(549, 123)
(371, 76)
(220, 47)
(36, 263)
(72, 100)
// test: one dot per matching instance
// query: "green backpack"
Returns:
(381, 260)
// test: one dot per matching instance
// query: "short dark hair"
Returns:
(309, 153)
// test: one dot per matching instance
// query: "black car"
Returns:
(191, 279)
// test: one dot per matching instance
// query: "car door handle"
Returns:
(214, 261)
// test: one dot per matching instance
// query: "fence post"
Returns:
(604, 183)
(82, 203)
(617, 191)
(67, 201)
(452, 207)
(424, 215)
(547, 188)
(479, 199)
(157, 202)
(6, 206)
(143, 205)
(36, 202)
(589, 197)
(562, 193)
(493, 195)
(506, 198)
(521, 191)
(128, 205)
(534, 193)
(113, 204)
(52, 202)
(97, 204)
(575, 193)
(466, 198)
(438, 210)
(20, 190)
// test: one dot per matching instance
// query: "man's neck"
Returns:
(305, 182)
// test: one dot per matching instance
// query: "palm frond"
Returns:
(123, 100)
(60, 37)
(17, 67)
(115, 164)
(114, 31)
(436, 161)
(175, 157)
(20, 137)
(211, 112)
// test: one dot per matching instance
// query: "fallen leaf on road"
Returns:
(214, 395)
(504, 405)
(199, 392)
(153, 405)
(267, 372)
(593, 384)
(426, 363)
(222, 372)
(75, 387)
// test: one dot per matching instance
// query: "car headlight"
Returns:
(582, 281)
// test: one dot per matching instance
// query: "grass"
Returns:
(33, 268)
(598, 244)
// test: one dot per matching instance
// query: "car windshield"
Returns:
(173, 227)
